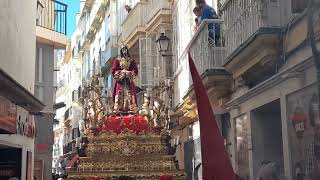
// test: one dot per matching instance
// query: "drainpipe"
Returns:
(312, 7)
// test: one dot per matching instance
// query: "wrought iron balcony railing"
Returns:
(207, 47)
(53, 16)
(242, 19)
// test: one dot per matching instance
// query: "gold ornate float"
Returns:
(126, 143)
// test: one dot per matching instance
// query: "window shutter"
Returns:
(146, 67)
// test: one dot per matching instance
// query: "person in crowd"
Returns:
(196, 25)
(238, 177)
(268, 171)
(83, 145)
(197, 13)
(298, 171)
(208, 12)
(128, 8)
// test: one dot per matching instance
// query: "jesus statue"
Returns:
(124, 71)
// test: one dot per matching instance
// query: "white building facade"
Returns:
(67, 128)
(18, 103)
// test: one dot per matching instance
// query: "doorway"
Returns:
(266, 131)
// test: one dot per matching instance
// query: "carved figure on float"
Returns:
(124, 71)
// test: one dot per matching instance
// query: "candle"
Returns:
(86, 102)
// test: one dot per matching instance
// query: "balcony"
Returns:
(134, 22)
(208, 51)
(145, 16)
(87, 6)
(52, 24)
(243, 19)
(93, 21)
(206, 48)
(159, 13)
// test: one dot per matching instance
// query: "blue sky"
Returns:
(73, 8)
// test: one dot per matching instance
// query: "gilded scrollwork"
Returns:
(139, 155)
(130, 144)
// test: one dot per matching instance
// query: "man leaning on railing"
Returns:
(208, 12)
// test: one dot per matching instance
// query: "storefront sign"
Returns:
(10, 163)
(8, 114)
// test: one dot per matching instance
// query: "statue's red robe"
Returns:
(124, 71)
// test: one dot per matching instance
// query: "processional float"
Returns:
(123, 140)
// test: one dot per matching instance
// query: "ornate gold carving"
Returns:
(139, 154)
(110, 155)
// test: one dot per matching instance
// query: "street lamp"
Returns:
(39, 10)
(163, 44)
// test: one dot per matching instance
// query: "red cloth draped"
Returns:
(165, 177)
(215, 161)
(118, 124)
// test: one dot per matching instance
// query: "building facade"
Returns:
(18, 102)
(273, 82)
(97, 41)
(263, 43)
(66, 131)
(50, 36)
(100, 40)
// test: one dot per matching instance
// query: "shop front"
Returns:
(17, 132)
(277, 121)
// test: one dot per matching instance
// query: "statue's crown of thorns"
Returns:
(124, 46)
